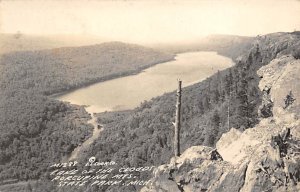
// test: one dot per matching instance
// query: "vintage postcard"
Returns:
(149, 95)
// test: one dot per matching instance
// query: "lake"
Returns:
(128, 92)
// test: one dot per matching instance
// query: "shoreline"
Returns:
(57, 96)
(107, 78)
(129, 73)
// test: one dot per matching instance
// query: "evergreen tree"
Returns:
(228, 82)
(244, 109)
(213, 132)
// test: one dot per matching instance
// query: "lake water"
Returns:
(128, 92)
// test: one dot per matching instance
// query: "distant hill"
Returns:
(223, 44)
(23, 42)
(228, 45)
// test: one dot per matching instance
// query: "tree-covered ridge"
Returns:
(37, 130)
(229, 45)
(144, 136)
(61, 69)
(10, 42)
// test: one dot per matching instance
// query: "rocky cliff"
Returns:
(263, 158)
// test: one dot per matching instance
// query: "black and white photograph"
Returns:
(149, 95)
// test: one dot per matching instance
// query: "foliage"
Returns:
(289, 100)
(296, 53)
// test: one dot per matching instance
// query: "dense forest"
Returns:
(230, 98)
(37, 130)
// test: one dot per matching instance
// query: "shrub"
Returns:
(296, 53)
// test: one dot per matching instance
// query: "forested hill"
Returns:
(144, 136)
(24, 42)
(60, 69)
(228, 45)
(36, 130)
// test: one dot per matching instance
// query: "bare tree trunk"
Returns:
(177, 121)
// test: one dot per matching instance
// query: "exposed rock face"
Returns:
(263, 158)
(268, 168)
(282, 75)
(194, 171)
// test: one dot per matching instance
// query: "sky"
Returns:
(149, 20)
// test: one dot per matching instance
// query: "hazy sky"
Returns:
(149, 21)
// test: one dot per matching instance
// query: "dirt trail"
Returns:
(96, 131)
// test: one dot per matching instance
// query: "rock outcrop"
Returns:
(263, 158)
